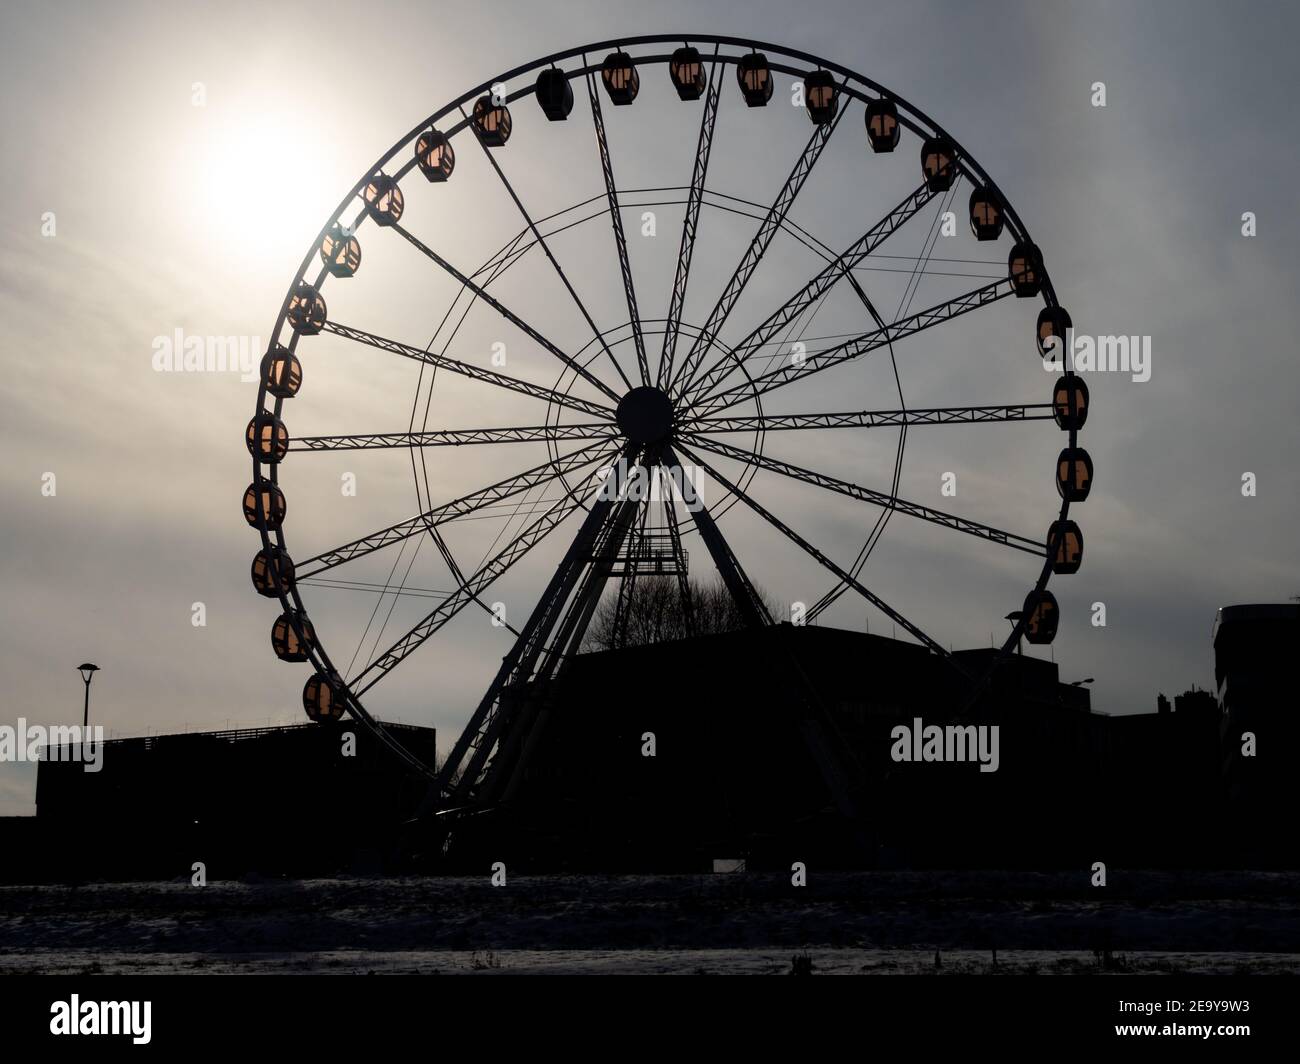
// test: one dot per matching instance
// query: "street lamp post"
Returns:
(87, 671)
(1014, 618)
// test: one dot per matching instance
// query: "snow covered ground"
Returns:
(894, 922)
(644, 962)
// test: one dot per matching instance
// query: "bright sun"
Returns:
(258, 169)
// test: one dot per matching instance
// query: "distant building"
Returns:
(1255, 648)
(271, 800)
(1254, 657)
(1161, 794)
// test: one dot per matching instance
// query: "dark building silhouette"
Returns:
(769, 746)
(272, 800)
(1161, 791)
(1254, 666)
(734, 776)
(735, 771)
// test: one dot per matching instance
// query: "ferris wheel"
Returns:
(643, 408)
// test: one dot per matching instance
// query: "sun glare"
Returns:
(258, 169)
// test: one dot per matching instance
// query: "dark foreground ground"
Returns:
(918, 922)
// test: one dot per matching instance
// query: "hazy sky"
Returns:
(176, 211)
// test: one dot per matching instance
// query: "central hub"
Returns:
(645, 415)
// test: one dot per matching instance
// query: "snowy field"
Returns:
(900, 923)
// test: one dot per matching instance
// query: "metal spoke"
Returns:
(870, 419)
(690, 226)
(818, 556)
(455, 437)
(620, 239)
(858, 346)
(467, 504)
(466, 369)
(458, 575)
(877, 498)
(508, 314)
(467, 592)
(559, 270)
(842, 266)
(754, 254)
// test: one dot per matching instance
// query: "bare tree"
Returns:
(654, 613)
